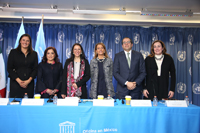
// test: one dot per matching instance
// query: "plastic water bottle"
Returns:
(109, 97)
(155, 101)
(187, 100)
(55, 98)
(25, 96)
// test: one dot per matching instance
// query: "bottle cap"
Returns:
(186, 96)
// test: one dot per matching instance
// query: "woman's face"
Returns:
(77, 51)
(25, 42)
(157, 47)
(50, 55)
(100, 50)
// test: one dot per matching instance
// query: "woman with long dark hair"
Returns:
(158, 66)
(22, 68)
(75, 74)
(49, 77)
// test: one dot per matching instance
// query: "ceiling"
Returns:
(65, 14)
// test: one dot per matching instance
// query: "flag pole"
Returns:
(42, 19)
(22, 19)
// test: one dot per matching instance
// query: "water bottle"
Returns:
(155, 101)
(55, 98)
(109, 97)
(25, 96)
(187, 100)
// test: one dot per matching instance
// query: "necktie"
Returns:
(129, 60)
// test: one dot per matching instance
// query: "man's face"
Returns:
(127, 46)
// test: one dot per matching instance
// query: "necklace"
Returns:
(100, 60)
(159, 58)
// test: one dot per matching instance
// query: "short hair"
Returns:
(128, 38)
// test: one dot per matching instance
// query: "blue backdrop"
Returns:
(181, 43)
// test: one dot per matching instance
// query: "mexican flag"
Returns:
(2, 76)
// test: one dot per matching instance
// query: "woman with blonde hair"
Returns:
(101, 70)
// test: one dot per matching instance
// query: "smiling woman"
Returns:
(76, 73)
(22, 68)
(101, 67)
(49, 77)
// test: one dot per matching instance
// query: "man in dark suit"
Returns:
(129, 71)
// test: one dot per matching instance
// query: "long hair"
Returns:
(163, 46)
(44, 58)
(96, 55)
(30, 49)
(82, 56)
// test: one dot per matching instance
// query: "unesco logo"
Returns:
(181, 55)
(61, 36)
(79, 38)
(68, 52)
(196, 88)
(110, 53)
(93, 35)
(136, 38)
(154, 37)
(67, 127)
(117, 38)
(190, 39)
(171, 39)
(181, 87)
(1, 35)
(144, 53)
(197, 56)
(102, 37)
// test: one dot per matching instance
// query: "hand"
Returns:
(63, 96)
(25, 83)
(131, 85)
(74, 85)
(49, 91)
(145, 93)
(20, 82)
(171, 94)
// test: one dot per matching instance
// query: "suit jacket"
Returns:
(151, 78)
(123, 73)
(108, 72)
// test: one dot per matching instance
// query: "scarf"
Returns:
(71, 91)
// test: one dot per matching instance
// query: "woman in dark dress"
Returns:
(158, 66)
(101, 69)
(49, 77)
(22, 68)
(75, 74)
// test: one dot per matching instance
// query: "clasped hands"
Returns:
(24, 83)
(131, 85)
(51, 92)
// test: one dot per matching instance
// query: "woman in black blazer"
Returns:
(76, 73)
(49, 77)
(158, 66)
(22, 68)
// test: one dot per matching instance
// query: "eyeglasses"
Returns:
(127, 42)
